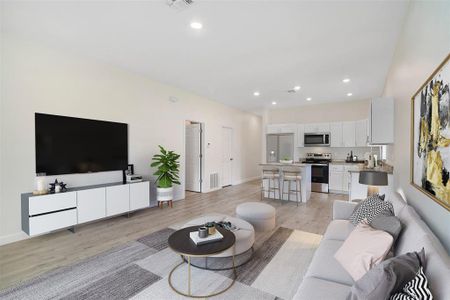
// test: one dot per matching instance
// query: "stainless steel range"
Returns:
(319, 170)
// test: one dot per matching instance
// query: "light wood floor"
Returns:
(26, 259)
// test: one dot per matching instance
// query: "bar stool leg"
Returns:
(300, 189)
(262, 188)
(289, 190)
(280, 190)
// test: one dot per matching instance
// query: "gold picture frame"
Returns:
(430, 141)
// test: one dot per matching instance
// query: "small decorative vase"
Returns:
(211, 228)
(202, 232)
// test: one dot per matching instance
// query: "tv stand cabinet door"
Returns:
(139, 195)
(117, 199)
(91, 205)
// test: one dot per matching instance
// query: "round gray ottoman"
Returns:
(260, 215)
(245, 234)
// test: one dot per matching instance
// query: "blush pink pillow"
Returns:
(364, 248)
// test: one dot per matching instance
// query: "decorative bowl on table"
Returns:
(286, 161)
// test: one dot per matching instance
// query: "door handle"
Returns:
(231, 158)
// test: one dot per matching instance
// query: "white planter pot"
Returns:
(164, 194)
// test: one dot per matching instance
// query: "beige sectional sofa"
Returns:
(327, 279)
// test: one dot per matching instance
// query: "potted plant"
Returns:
(167, 171)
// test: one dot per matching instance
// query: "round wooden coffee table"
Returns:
(181, 243)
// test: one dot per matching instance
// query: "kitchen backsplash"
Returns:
(338, 153)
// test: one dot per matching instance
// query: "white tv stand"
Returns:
(46, 213)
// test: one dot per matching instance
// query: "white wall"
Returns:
(328, 112)
(424, 43)
(56, 81)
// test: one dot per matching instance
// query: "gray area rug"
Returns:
(139, 270)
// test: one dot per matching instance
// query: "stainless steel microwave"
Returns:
(317, 139)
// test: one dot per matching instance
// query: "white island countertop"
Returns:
(298, 164)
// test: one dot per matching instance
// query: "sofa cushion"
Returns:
(369, 208)
(397, 202)
(414, 231)
(388, 277)
(316, 288)
(415, 289)
(389, 223)
(338, 230)
(437, 267)
(325, 266)
(364, 248)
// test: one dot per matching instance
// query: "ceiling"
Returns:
(244, 46)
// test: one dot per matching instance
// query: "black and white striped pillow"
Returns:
(416, 289)
(369, 208)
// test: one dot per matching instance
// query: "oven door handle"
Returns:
(313, 164)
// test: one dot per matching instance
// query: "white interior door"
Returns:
(193, 157)
(227, 159)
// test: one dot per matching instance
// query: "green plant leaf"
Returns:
(167, 166)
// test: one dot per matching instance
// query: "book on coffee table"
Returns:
(217, 236)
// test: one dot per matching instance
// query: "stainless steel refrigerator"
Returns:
(279, 146)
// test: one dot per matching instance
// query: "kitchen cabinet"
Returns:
(300, 135)
(361, 137)
(281, 128)
(381, 121)
(339, 177)
(348, 134)
(317, 127)
(336, 178)
(336, 134)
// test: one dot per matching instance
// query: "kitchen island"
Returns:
(305, 172)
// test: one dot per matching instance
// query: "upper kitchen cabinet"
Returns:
(281, 128)
(381, 121)
(349, 134)
(300, 135)
(336, 134)
(317, 127)
(361, 133)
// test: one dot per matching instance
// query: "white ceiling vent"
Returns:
(180, 4)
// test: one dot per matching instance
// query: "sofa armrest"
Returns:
(342, 210)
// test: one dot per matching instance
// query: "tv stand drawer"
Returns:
(53, 221)
(52, 202)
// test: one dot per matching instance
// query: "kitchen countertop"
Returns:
(297, 164)
(343, 162)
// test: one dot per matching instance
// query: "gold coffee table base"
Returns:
(189, 294)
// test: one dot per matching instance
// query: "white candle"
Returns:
(40, 184)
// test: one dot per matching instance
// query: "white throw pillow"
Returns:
(364, 248)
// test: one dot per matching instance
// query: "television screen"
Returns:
(67, 145)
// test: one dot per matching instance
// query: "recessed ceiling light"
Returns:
(346, 80)
(196, 25)
(308, 99)
(349, 94)
(297, 88)
(256, 94)
(274, 103)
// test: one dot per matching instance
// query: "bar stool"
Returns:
(272, 175)
(293, 175)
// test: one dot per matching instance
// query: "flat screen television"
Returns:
(66, 145)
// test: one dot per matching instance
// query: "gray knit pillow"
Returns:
(386, 221)
(369, 208)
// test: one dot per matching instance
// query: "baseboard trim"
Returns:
(11, 238)
(246, 180)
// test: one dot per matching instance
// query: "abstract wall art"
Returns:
(430, 136)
